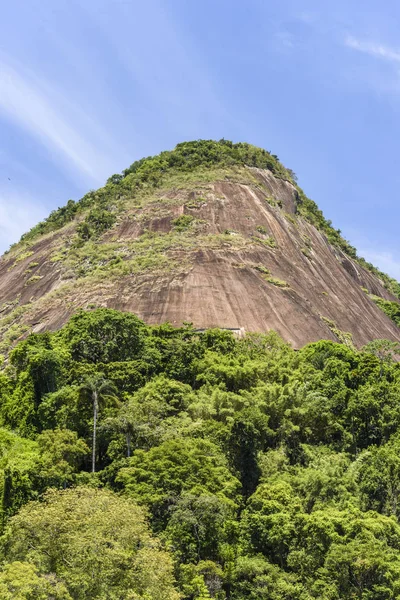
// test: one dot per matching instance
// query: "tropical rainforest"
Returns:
(150, 462)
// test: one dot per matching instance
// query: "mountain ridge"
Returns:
(215, 233)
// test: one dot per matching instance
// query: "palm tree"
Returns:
(124, 422)
(97, 389)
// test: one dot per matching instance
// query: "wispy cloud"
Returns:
(373, 49)
(284, 40)
(161, 63)
(307, 17)
(30, 103)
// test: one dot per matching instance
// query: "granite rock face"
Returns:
(243, 259)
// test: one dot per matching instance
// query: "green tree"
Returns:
(18, 470)
(365, 568)
(125, 423)
(249, 432)
(199, 526)
(384, 350)
(96, 543)
(255, 578)
(158, 477)
(143, 418)
(268, 522)
(104, 335)
(21, 581)
(61, 454)
(378, 474)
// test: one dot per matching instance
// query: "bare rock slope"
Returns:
(224, 247)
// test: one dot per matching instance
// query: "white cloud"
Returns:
(373, 49)
(34, 106)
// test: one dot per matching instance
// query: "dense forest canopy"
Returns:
(146, 462)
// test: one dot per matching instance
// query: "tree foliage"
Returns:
(263, 472)
(93, 541)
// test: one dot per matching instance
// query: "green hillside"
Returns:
(151, 463)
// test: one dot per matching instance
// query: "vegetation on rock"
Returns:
(150, 172)
(98, 210)
(392, 309)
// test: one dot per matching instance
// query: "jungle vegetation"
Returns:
(149, 463)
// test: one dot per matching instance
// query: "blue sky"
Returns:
(89, 86)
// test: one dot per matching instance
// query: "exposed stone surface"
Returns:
(294, 287)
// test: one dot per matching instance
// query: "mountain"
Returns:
(213, 233)
(147, 462)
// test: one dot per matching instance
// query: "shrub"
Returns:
(278, 282)
(33, 279)
(183, 222)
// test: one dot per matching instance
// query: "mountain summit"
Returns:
(213, 233)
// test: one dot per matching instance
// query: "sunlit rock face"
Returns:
(231, 252)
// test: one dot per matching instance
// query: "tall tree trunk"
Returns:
(95, 409)
(128, 444)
